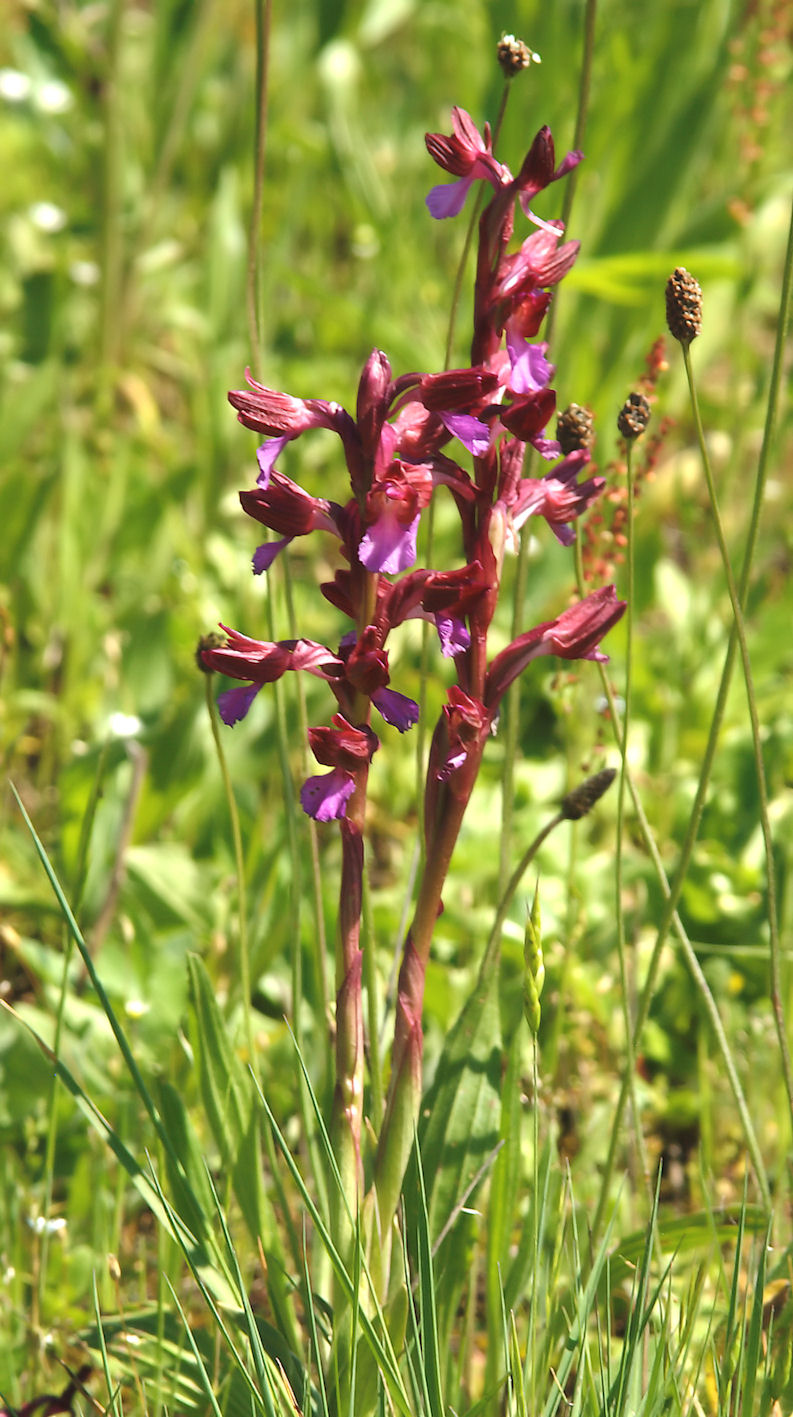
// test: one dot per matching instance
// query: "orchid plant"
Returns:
(469, 430)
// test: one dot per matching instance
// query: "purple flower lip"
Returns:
(325, 796)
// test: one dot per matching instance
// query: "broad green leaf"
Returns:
(460, 1128)
(225, 1089)
(228, 1100)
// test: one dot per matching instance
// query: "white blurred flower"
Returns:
(47, 217)
(84, 273)
(602, 704)
(124, 725)
(52, 97)
(136, 1008)
(41, 1225)
(14, 85)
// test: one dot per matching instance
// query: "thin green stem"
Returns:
(759, 491)
(737, 636)
(513, 883)
(737, 601)
(584, 83)
(239, 867)
(112, 240)
(619, 881)
(263, 11)
(645, 999)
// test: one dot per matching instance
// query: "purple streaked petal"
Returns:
(448, 199)
(264, 556)
(471, 432)
(234, 703)
(388, 545)
(397, 709)
(266, 457)
(548, 448)
(325, 796)
(452, 763)
(453, 635)
(530, 369)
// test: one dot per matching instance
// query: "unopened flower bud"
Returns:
(583, 797)
(634, 417)
(513, 55)
(575, 429)
(683, 306)
(211, 641)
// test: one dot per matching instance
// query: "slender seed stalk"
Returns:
(695, 969)
(263, 12)
(619, 882)
(515, 880)
(239, 868)
(738, 598)
(737, 601)
(112, 254)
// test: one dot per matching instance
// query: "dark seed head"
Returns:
(633, 417)
(583, 798)
(683, 306)
(575, 429)
(513, 55)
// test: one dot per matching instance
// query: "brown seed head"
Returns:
(634, 417)
(583, 798)
(683, 306)
(575, 428)
(513, 55)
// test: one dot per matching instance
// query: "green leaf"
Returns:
(194, 1200)
(460, 1130)
(227, 1095)
(225, 1089)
